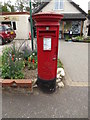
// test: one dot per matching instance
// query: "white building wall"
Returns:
(85, 29)
(89, 5)
(68, 8)
(22, 26)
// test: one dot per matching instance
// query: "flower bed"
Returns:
(19, 65)
(81, 39)
(14, 63)
(19, 68)
(78, 39)
(67, 38)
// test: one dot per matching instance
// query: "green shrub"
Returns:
(12, 64)
(79, 38)
(67, 37)
(59, 64)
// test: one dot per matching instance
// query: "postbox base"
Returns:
(47, 85)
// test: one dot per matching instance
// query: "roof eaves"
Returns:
(14, 13)
(79, 16)
(77, 6)
(46, 3)
(41, 7)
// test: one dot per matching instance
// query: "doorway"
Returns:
(89, 30)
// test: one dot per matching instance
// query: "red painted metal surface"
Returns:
(47, 28)
(29, 35)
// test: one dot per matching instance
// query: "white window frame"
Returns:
(59, 1)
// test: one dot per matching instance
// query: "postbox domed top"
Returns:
(51, 16)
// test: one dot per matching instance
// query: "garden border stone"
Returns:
(83, 41)
(22, 83)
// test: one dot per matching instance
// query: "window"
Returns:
(58, 4)
(8, 28)
(1, 28)
(14, 25)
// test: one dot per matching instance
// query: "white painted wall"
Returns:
(23, 27)
(85, 29)
(68, 8)
(89, 5)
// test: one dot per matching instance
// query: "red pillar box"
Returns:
(47, 25)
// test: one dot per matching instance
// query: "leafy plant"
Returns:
(26, 53)
(67, 37)
(59, 64)
(32, 60)
(12, 64)
(79, 38)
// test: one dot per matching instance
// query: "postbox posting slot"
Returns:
(45, 33)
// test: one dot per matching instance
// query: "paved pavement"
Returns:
(69, 102)
(74, 56)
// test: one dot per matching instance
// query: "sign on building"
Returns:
(9, 18)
